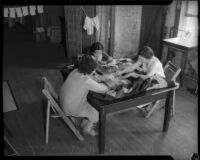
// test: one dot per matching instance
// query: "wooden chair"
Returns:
(171, 72)
(52, 103)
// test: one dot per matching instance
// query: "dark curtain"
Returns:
(152, 28)
(77, 40)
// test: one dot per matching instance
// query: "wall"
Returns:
(127, 30)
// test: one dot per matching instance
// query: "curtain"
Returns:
(152, 25)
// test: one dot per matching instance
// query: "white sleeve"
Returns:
(92, 85)
(154, 69)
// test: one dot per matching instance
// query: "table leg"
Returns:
(168, 108)
(102, 123)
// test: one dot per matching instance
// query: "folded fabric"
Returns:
(19, 12)
(40, 9)
(32, 10)
(5, 12)
(12, 12)
(25, 11)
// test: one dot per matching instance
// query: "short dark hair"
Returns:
(147, 52)
(87, 65)
(96, 46)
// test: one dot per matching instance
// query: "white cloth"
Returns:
(25, 11)
(32, 10)
(12, 12)
(155, 67)
(5, 12)
(90, 23)
(73, 95)
(19, 12)
(40, 9)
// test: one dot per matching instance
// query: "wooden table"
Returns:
(183, 45)
(106, 107)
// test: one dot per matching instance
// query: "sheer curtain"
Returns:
(188, 25)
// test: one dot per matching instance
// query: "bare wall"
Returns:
(127, 30)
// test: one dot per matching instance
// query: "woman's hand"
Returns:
(133, 74)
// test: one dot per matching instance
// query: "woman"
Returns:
(73, 94)
(150, 66)
(98, 54)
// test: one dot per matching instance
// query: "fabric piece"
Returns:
(96, 22)
(5, 12)
(73, 95)
(12, 12)
(25, 11)
(19, 12)
(90, 23)
(40, 9)
(32, 10)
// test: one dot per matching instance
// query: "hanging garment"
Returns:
(32, 10)
(25, 11)
(40, 9)
(90, 23)
(19, 12)
(5, 12)
(12, 12)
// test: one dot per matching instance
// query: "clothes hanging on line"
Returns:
(90, 23)
(25, 11)
(12, 12)
(32, 10)
(5, 12)
(19, 12)
(40, 9)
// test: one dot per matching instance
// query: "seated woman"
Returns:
(73, 94)
(99, 55)
(151, 67)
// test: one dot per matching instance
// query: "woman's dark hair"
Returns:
(147, 52)
(87, 65)
(96, 46)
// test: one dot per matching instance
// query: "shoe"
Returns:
(91, 132)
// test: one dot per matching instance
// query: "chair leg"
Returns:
(173, 104)
(153, 109)
(47, 121)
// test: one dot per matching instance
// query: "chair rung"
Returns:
(55, 116)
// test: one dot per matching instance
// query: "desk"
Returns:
(106, 107)
(183, 45)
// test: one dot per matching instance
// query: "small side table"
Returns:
(183, 45)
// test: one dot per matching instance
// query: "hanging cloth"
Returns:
(32, 10)
(5, 12)
(19, 12)
(25, 11)
(12, 12)
(90, 23)
(40, 9)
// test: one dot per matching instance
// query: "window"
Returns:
(188, 26)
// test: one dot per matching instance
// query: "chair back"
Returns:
(51, 96)
(171, 71)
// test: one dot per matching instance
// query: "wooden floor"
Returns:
(127, 133)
